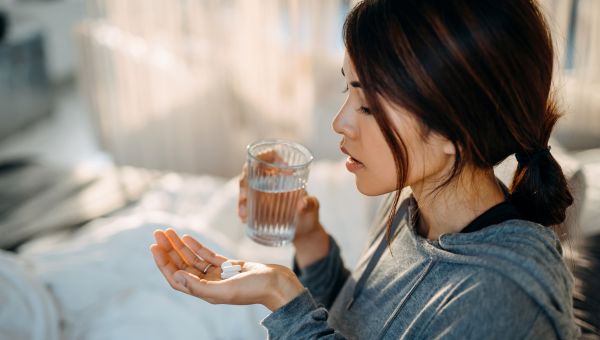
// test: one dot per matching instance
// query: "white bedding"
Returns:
(27, 310)
(106, 285)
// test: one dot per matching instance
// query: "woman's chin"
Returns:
(370, 189)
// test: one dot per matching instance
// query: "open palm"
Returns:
(191, 268)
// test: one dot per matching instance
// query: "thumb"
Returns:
(309, 207)
(190, 283)
(195, 286)
(181, 278)
(309, 204)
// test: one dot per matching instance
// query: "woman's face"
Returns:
(370, 158)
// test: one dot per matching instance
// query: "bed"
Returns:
(78, 264)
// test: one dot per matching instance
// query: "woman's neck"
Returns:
(454, 206)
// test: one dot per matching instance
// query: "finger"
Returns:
(186, 253)
(311, 203)
(242, 203)
(166, 267)
(243, 195)
(244, 176)
(270, 156)
(203, 252)
(307, 203)
(302, 200)
(163, 241)
(160, 257)
(272, 160)
(242, 211)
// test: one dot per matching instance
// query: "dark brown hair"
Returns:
(477, 72)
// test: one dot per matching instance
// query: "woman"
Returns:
(438, 93)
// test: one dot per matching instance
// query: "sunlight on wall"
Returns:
(185, 85)
(575, 26)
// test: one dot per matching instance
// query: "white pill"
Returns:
(226, 264)
(235, 268)
(227, 275)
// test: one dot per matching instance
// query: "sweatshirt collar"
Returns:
(497, 214)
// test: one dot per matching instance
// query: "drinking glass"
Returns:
(277, 174)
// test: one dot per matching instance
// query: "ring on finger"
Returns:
(206, 268)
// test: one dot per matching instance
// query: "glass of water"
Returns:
(277, 175)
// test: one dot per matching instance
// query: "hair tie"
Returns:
(524, 158)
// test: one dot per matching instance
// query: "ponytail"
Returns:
(539, 189)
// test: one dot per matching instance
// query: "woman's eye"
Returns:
(345, 90)
(364, 110)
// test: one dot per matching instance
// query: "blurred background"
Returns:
(171, 85)
(185, 85)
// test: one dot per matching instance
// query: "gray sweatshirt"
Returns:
(505, 281)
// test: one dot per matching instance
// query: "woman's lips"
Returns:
(352, 164)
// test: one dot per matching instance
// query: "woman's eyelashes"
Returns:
(362, 109)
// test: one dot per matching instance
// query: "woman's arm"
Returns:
(311, 247)
(324, 274)
(301, 318)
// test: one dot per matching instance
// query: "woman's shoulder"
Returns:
(511, 259)
(482, 304)
(515, 300)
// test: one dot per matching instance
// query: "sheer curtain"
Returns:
(186, 84)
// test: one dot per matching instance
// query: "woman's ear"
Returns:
(448, 148)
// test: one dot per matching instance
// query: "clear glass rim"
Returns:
(293, 144)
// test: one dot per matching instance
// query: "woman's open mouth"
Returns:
(352, 164)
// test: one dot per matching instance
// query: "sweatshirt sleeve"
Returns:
(301, 318)
(324, 278)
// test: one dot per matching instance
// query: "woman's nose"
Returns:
(343, 123)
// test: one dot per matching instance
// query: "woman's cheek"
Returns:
(377, 178)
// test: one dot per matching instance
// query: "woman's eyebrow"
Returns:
(354, 84)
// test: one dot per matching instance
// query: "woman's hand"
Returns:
(183, 261)
(307, 211)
